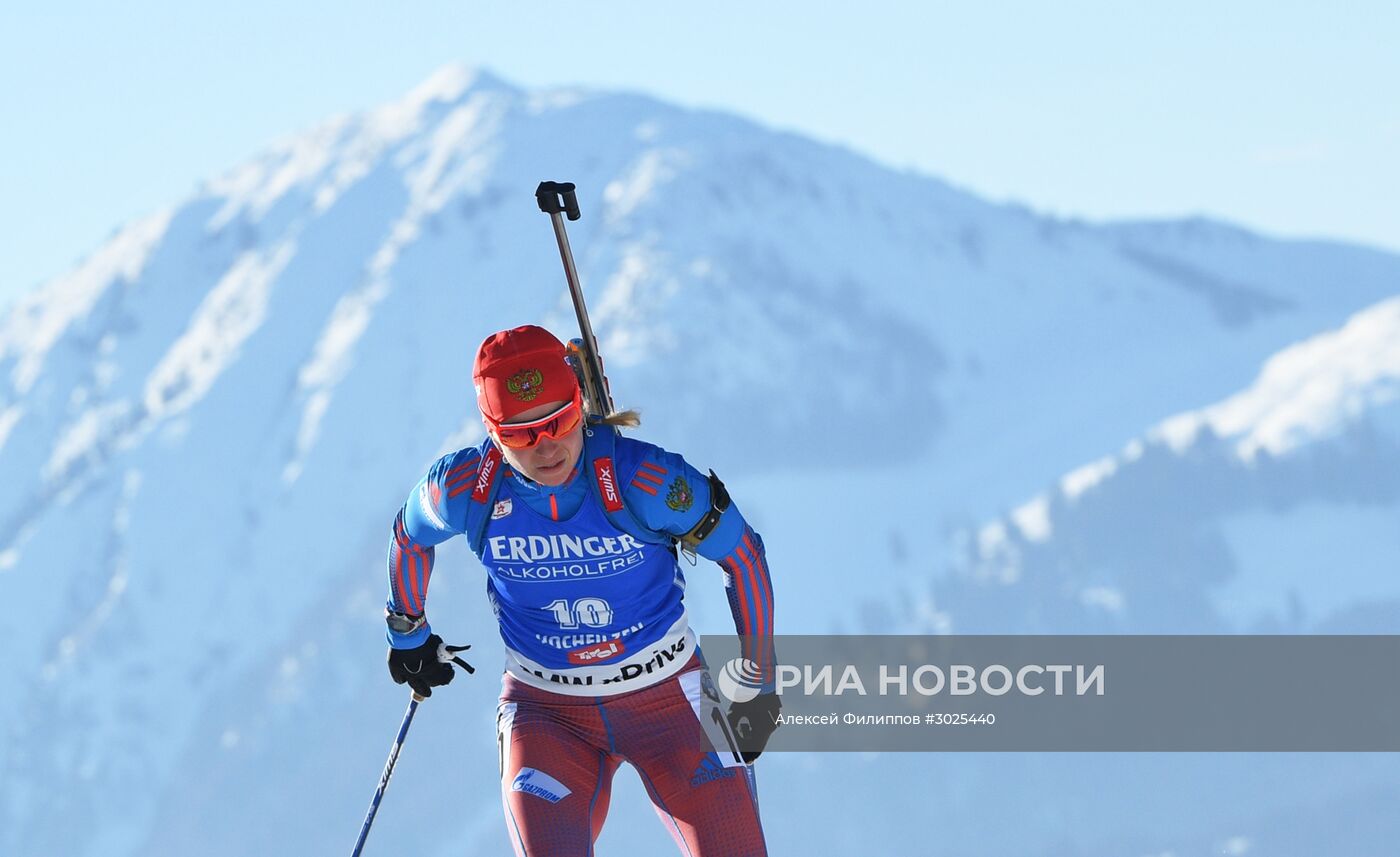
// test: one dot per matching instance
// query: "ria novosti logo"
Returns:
(740, 680)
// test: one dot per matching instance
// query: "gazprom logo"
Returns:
(539, 784)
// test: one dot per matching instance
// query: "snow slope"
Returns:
(1273, 510)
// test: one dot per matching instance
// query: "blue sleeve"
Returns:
(435, 511)
(670, 496)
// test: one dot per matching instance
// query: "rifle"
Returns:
(557, 199)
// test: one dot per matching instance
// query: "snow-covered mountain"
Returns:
(1274, 510)
(206, 427)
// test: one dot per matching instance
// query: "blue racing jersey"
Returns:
(584, 606)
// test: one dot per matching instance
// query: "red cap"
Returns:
(520, 369)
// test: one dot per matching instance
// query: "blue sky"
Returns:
(1284, 117)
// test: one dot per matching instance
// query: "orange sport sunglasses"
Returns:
(556, 426)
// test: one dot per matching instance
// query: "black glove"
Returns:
(420, 667)
(753, 723)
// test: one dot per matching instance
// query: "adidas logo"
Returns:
(710, 770)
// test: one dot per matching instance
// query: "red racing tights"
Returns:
(559, 754)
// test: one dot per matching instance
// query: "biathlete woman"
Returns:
(578, 529)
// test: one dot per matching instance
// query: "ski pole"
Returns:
(557, 199)
(447, 654)
(388, 772)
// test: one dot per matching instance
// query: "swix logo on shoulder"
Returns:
(607, 484)
(487, 474)
(600, 652)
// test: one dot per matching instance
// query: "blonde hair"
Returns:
(629, 418)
